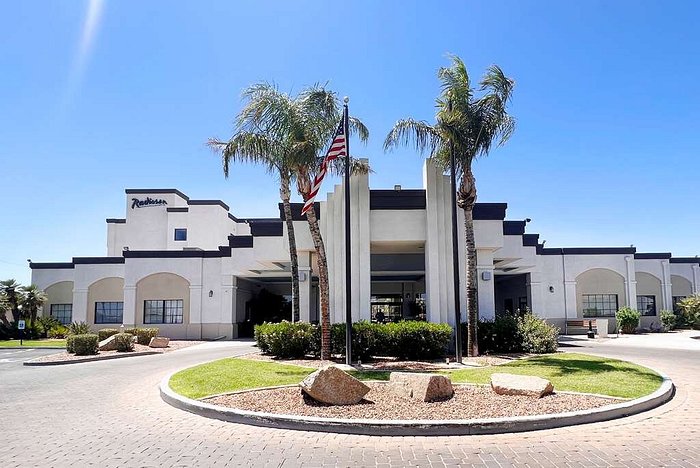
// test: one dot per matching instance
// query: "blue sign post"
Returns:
(20, 327)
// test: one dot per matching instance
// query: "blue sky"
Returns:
(95, 99)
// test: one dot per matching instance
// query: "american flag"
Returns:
(338, 149)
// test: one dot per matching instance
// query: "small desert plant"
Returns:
(47, 323)
(143, 335)
(82, 345)
(78, 328)
(124, 342)
(58, 331)
(537, 336)
(690, 310)
(668, 320)
(106, 333)
(627, 319)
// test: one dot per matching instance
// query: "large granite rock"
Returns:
(108, 344)
(159, 342)
(420, 386)
(334, 386)
(511, 384)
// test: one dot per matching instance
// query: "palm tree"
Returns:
(471, 125)
(33, 299)
(13, 295)
(303, 126)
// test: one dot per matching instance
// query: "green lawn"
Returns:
(33, 343)
(577, 373)
(572, 372)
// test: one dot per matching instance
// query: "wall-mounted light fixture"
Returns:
(397, 187)
(486, 275)
(551, 289)
(125, 249)
(211, 293)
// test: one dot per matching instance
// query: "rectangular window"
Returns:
(109, 312)
(599, 305)
(180, 234)
(62, 312)
(165, 311)
(646, 305)
(676, 300)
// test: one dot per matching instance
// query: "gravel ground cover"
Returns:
(139, 350)
(469, 402)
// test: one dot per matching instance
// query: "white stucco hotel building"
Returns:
(191, 267)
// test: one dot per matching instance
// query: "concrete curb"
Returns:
(89, 359)
(419, 427)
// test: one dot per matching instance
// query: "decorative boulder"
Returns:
(423, 387)
(108, 344)
(334, 386)
(159, 342)
(511, 384)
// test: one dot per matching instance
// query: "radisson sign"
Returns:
(136, 203)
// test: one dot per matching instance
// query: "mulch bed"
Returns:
(139, 350)
(469, 402)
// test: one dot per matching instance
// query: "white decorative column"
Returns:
(696, 279)
(227, 298)
(432, 257)
(129, 311)
(666, 287)
(486, 291)
(631, 283)
(570, 299)
(233, 318)
(194, 328)
(79, 311)
(535, 293)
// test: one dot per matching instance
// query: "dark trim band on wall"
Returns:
(267, 228)
(489, 211)
(177, 209)
(116, 220)
(513, 228)
(209, 202)
(652, 256)
(530, 240)
(685, 260)
(409, 199)
(160, 191)
(97, 260)
(177, 253)
(51, 266)
(296, 211)
(240, 242)
(587, 251)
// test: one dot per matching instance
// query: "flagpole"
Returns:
(348, 259)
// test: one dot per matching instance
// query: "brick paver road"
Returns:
(110, 414)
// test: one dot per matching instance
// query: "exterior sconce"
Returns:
(211, 293)
(486, 275)
(551, 289)
(302, 276)
(397, 188)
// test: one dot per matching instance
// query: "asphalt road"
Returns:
(109, 413)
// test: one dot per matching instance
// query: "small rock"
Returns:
(159, 342)
(511, 384)
(108, 344)
(333, 386)
(423, 387)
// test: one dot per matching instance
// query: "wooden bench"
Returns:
(581, 327)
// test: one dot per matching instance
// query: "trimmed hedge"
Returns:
(404, 340)
(143, 335)
(124, 342)
(510, 334)
(106, 333)
(82, 345)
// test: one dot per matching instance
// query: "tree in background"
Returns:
(471, 125)
(33, 299)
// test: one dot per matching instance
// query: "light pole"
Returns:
(455, 248)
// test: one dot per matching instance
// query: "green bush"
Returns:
(537, 336)
(82, 345)
(106, 333)
(285, 339)
(368, 339)
(500, 335)
(79, 328)
(59, 331)
(124, 342)
(416, 340)
(143, 335)
(690, 310)
(627, 320)
(668, 320)
(47, 323)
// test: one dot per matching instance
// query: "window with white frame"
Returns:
(163, 311)
(62, 312)
(109, 312)
(599, 305)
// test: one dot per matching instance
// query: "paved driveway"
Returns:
(109, 414)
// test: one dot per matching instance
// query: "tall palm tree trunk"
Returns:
(322, 283)
(285, 195)
(466, 201)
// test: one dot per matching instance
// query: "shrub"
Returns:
(124, 342)
(106, 333)
(143, 335)
(690, 310)
(417, 340)
(58, 331)
(537, 336)
(497, 336)
(83, 345)
(79, 328)
(285, 339)
(627, 319)
(668, 320)
(368, 339)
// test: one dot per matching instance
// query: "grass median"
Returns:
(567, 371)
(33, 344)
